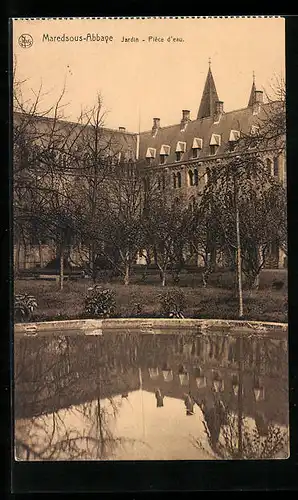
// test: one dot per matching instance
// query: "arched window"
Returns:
(192, 203)
(64, 160)
(269, 166)
(190, 177)
(276, 167)
(174, 181)
(196, 177)
(179, 180)
(146, 183)
(158, 182)
(207, 175)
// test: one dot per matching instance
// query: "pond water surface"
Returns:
(138, 396)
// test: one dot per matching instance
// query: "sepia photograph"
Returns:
(150, 280)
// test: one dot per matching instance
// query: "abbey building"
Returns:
(181, 156)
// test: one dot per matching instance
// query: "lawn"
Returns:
(216, 301)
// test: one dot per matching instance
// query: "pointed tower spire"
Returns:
(209, 97)
(252, 96)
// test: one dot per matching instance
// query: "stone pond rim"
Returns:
(155, 325)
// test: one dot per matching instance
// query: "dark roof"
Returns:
(40, 126)
(252, 96)
(209, 97)
(240, 120)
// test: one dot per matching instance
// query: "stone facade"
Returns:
(181, 156)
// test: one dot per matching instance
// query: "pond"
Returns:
(142, 396)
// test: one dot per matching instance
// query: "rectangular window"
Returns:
(195, 152)
(174, 181)
(276, 169)
(178, 155)
(213, 149)
(162, 159)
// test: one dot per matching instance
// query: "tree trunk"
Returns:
(240, 398)
(127, 271)
(163, 277)
(206, 271)
(61, 268)
(91, 263)
(238, 251)
(40, 254)
(17, 257)
(213, 255)
(254, 281)
(24, 253)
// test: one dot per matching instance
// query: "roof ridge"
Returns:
(208, 117)
(71, 122)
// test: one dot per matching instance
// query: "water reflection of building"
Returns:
(51, 374)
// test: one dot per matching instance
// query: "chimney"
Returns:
(185, 119)
(156, 126)
(122, 129)
(219, 109)
(259, 96)
(258, 100)
(185, 115)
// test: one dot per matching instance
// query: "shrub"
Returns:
(100, 302)
(24, 306)
(277, 284)
(173, 304)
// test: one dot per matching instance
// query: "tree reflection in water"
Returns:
(74, 432)
(230, 434)
(264, 440)
(69, 392)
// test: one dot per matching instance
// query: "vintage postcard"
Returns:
(149, 239)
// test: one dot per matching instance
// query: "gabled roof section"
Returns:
(151, 153)
(165, 142)
(215, 140)
(209, 98)
(254, 130)
(252, 94)
(165, 150)
(181, 147)
(234, 136)
(197, 143)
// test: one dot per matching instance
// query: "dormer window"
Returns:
(197, 146)
(164, 153)
(214, 144)
(254, 132)
(150, 155)
(233, 139)
(234, 136)
(180, 150)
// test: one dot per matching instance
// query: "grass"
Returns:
(216, 301)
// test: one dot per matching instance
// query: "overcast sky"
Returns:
(149, 79)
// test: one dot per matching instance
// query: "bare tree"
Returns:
(166, 229)
(44, 147)
(122, 231)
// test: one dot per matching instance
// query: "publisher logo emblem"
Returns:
(25, 41)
